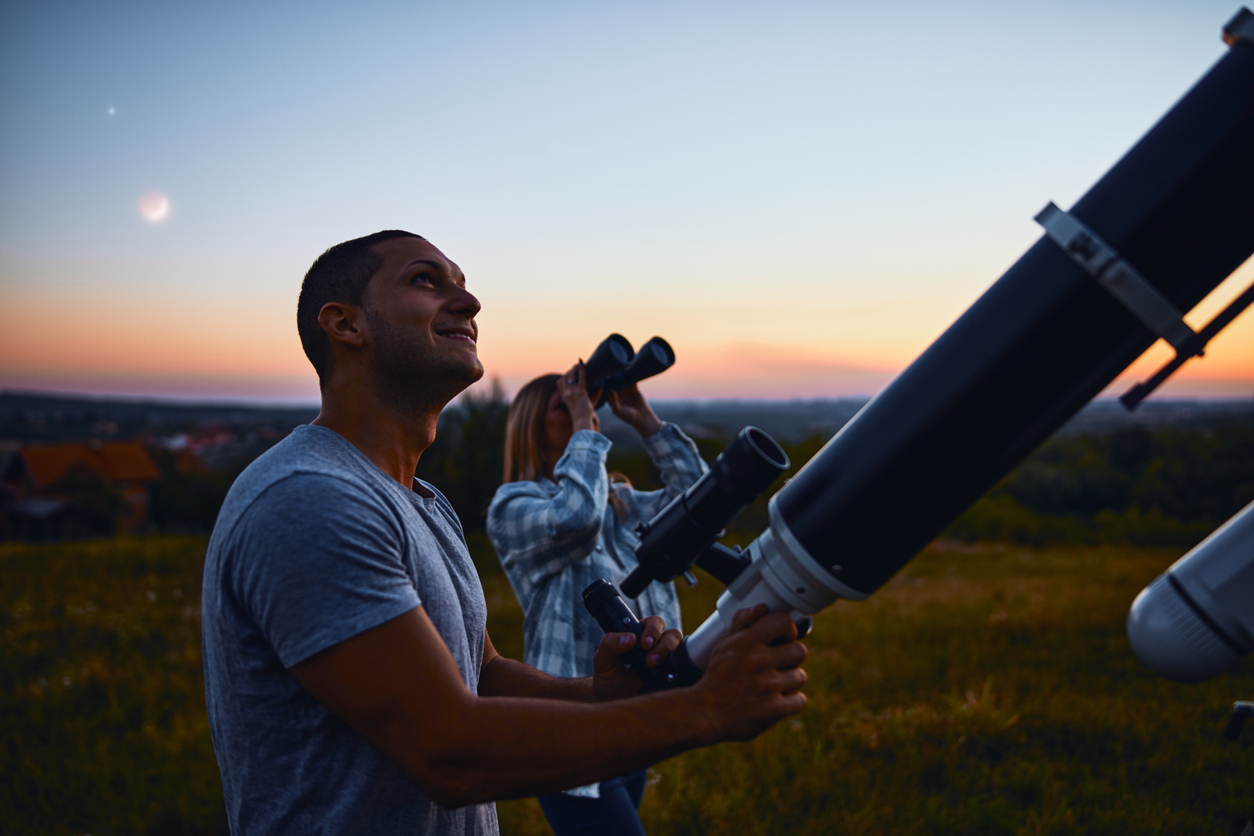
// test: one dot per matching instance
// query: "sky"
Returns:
(799, 196)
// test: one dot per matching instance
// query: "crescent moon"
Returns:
(154, 207)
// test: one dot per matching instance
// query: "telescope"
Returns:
(1157, 233)
(615, 365)
(1197, 619)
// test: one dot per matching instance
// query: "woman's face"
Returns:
(557, 428)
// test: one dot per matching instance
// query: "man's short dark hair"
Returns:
(338, 275)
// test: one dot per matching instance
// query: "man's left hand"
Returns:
(612, 681)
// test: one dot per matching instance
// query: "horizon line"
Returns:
(244, 402)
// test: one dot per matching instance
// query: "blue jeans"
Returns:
(613, 814)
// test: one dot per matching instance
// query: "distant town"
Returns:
(74, 466)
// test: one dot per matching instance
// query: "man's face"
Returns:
(421, 321)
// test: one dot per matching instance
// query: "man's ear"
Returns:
(343, 324)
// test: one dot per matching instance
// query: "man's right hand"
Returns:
(749, 685)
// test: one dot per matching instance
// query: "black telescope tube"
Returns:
(672, 540)
(1038, 345)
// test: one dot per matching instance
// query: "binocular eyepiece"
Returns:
(615, 365)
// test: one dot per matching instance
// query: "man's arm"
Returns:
(501, 677)
(400, 688)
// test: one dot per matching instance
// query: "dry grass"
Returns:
(984, 690)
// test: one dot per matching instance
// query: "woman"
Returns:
(559, 523)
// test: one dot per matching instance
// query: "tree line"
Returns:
(1166, 487)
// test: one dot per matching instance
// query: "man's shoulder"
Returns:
(310, 454)
(308, 449)
(446, 509)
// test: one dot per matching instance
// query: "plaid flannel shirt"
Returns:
(556, 537)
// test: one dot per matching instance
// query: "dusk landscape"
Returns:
(801, 198)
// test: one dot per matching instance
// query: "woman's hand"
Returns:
(572, 388)
(629, 404)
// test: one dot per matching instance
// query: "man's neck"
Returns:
(391, 438)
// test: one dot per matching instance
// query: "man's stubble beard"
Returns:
(409, 376)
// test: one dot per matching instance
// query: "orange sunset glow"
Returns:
(154, 245)
(96, 343)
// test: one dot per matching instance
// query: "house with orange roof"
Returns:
(111, 478)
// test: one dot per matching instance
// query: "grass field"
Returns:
(985, 690)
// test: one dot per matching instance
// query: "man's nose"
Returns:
(465, 304)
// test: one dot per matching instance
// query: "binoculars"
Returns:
(615, 365)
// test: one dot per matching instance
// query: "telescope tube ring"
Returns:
(1113, 272)
(1136, 293)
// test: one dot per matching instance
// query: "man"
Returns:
(350, 681)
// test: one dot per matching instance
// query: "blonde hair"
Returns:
(618, 480)
(524, 430)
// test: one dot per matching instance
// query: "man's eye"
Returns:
(423, 278)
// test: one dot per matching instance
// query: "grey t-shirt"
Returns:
(313, 546)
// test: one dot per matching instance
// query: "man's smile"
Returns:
(461, 334)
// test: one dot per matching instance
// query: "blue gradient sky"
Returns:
(799, 196)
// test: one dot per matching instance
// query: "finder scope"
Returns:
(614, 365)
(683, 530)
